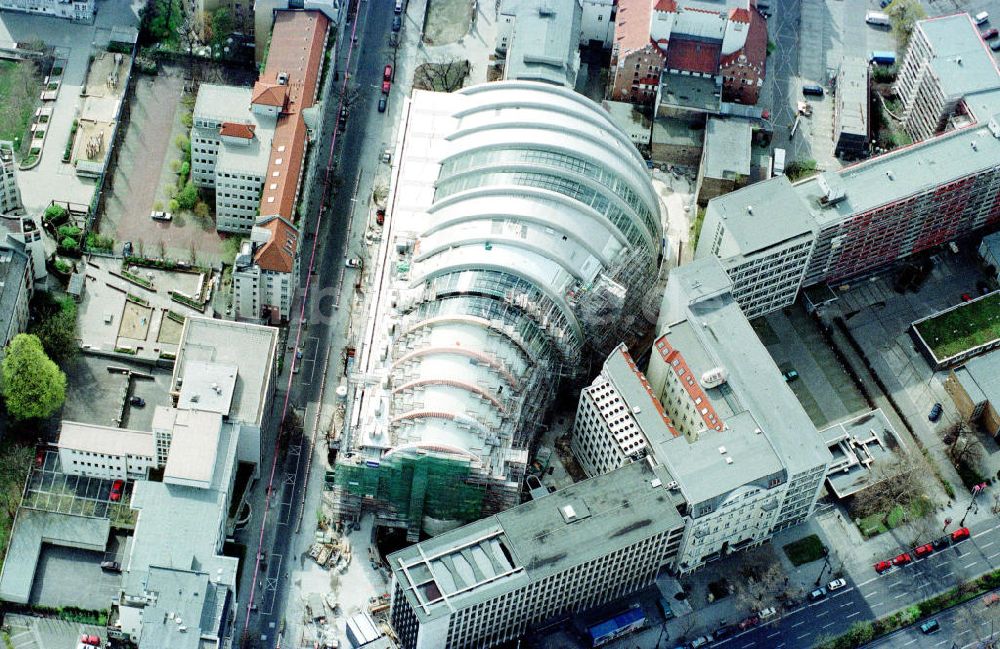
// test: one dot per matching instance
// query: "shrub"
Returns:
(183, 143)
(97, 242)
(187, 198)
(175, 166)
(173, 205)
(185, 169)
(69, 231)
(56, 214)
(201, 210)
(62, 266)
(69, 244)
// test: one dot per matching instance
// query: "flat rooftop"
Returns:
(251, 348)
(544, 44)
(108, 440)
(727, 148)
(581, 523)
(193, 446)
(208, 386)
(700, 94)
(856, 445)
(852, 97)
(961, 60)
(761, 215)
(980, 377)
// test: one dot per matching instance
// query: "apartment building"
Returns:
(725, 43)
(498, 578)
(82, 11)
(106, 451)
(946, 61)
(10, 193)
(266, 272)
(250, 144)
(741, 455)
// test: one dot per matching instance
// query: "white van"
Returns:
(399, 7)
(877, 18)
(982, 17)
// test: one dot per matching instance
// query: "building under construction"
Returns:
(522, 232)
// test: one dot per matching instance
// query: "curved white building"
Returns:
(522, 233)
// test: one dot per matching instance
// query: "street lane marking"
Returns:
(996, 554)
(749, 644)
(906, 644)
(986, 545)
(828, 625)
(942, 642)
(853, 614)
(874, 592)
(822, 614)
(900, 595)
(948, 574)
(969, 565)
(798, 624)
(775, 634)
(804, 635)
(847, 604)
(865, 583)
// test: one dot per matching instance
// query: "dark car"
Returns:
(724, 631)
(990, 33)
(935, 412)
(127, 249)
(116, 490)
(959, 534)
(397, 23)
(138, 402)
(818, 594)
(995, 46)
(111, 566)
(930, 626)
(941, 542)
(812, 90)
(902, 559)
(923, 550)
(882, 566)
(381, 104)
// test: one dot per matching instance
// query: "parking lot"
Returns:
(28, 632)
(72, 577)
(97, 388)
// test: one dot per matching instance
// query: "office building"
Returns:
(266, 272)
(250, 144)
(106, 451)
(725, 158)
(81, 11)
(975, 389)
(674, 41)
(716, 413)
(522, 232)
(946, 62)
(539, 39)
(10, 193)
(774, 237)
(495, 580)
(17, 284)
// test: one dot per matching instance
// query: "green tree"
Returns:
(34, 387)
(903, 16)
(187, 198)
(222, 24)
(55, 326)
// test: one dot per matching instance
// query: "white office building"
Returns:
(106, 451)
(75, 10)
(716, 413)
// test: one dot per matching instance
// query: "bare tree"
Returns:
(965, 447)
(899, 482)
(447, 76)
(763, 580)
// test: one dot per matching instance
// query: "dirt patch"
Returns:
(170, 331)
(447, 21)
(135, 321)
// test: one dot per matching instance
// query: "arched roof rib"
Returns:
(457, 245)
(452, 383)
(512, 381)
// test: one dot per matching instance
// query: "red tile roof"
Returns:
(747, 64)
(278, 254)
(675, 360)
(739, 15)
(649, 390)
(693, 56)
(669, 6)
(296, 54)
(632, 26)
(235, 129)
(269, 94)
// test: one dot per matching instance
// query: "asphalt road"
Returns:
(880, 595)
(352, 156)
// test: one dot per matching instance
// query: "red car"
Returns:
(387, 73)
(91, 640)
(39, 458)
(116, 490)
(386, 85)
(902, 559)
(380, 215)
(751, 621)
(989, 33)
(923, 550)
(960, 533)
(882, 566)
(965, 296)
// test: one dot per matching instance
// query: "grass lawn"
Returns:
(882, 522)
(18, 91)
(15, 460)
(804, 550)
(968, 326)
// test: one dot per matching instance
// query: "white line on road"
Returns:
(948, 574)
(986, 545)
(865, 583)
(942, 642)
(804, 635)
(845, 605)
(872, 594)
(986, 531)
(822, 614)
(775, 634)
(800, 623)
(828, 625)
(900, 595)
(962, 554)
(853, 614)
(969, 565)
(995, 554)
(906, 644)
(749, 644)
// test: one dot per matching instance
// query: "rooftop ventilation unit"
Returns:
(672, 485)
(722, 450)
(729, 460)
(282, 78)
(714, 377)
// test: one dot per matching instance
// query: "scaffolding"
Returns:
(409, 488)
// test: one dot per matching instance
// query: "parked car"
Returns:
(818, 594)
(882, 566)
(966, 297)
(836, 584)
(161, 216)
(990, 599)
(354, 262)
(935, 412)
(766, 613)
(396, 23)
(941, 542)
(723, 631)
(386, 87)
(749, 622)
(959, 534)
(923, 550)
(381, 104)
(884, 3)
(812, 90)
(930, 626)
(111, 566)
(91, 640)
(700, 641)
(138, 402)
(387, 73)
(790, 376)
(127, 249)
(116, 490)
(990, 33)
(902, 559)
